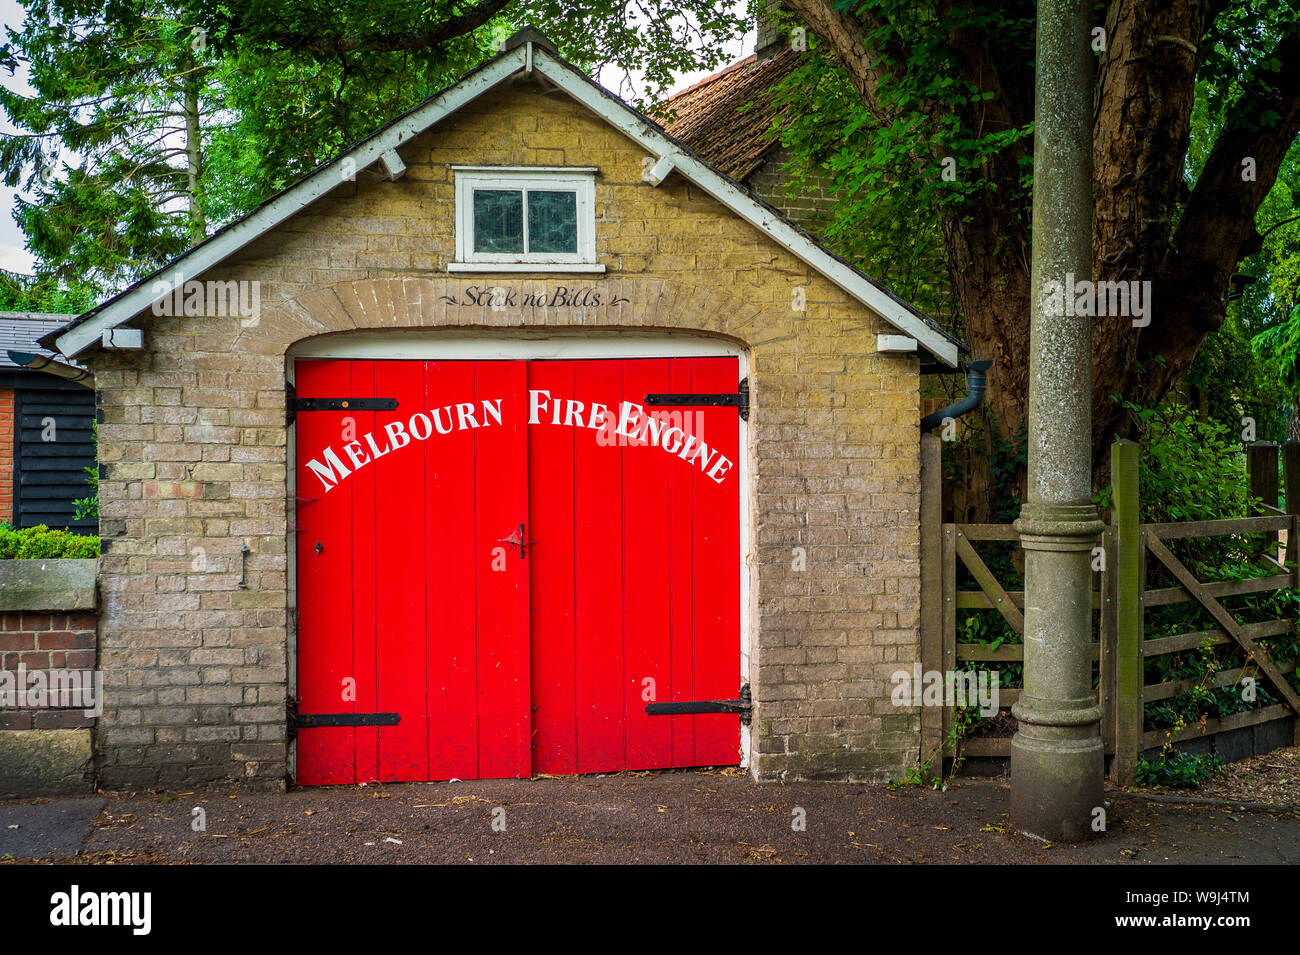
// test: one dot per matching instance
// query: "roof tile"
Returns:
(710, 117)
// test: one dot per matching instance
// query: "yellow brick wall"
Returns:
(197, 666)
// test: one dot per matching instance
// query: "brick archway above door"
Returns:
(554, 302)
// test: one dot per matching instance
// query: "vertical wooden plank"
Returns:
(598, 606)
(365, 740)
(553, 574)
(681, 586)
(365, 638)
(1291, 491)
(647, 567)
(1291, 484)
(501, 506)
(401, 532)
(1261, 467)
(1106, 634)
(325, 755)
(451, 582)
(932, 592)
(948, 654)
(716, 523)
(1130, 582)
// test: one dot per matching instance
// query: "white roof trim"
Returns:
(581, 89)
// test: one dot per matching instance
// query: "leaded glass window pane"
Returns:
(552, 221)
(498, 220)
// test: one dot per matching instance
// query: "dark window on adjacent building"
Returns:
(53, 445)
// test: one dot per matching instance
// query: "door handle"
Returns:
(517, 538)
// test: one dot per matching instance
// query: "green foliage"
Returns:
(1178, 769)
(1235, 377)
(888, 168)
(26, 293)
(1192, 467)
(43, 543)
(1008, 458)
(284, 111)
(926, 147)
(1250, 367)
(88, 507)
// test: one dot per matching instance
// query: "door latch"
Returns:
(517, 539)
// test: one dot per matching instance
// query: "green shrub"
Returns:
(1175, 768)
(43, 543)
(1193, 468)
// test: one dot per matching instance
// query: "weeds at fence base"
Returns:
(1177, 769)
(963, 718)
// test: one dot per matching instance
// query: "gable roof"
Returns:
(727, 117)
(529, 53)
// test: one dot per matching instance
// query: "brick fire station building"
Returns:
(516, 439)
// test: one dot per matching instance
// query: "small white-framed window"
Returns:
(525, 218)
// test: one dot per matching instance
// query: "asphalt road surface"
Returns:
(675, 817)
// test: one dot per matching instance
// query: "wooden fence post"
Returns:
(1291, 484)
(1291, 488)
(1261, 469)
(1261, 465)
(932, 591)
(1106, 637)
(1127, 607)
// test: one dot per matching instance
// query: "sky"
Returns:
(15, 258)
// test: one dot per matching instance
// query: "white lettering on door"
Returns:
(658, 430)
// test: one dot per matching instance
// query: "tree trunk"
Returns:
(191, 84)
(989, 270)
(1147, 228)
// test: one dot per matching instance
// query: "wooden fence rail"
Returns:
(1120, 601)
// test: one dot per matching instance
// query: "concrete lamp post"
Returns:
(1057, 756)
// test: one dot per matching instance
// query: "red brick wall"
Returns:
(46, 641)
(6, 454)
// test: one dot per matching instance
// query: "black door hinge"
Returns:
(739, 400)
(744, 706)
(315, 720)
(294, 404)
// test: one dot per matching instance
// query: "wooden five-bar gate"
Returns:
(1121, 598)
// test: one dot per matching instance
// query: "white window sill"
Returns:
(587, 267)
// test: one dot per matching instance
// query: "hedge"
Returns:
(43, 543)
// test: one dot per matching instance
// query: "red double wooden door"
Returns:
(497, 575)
